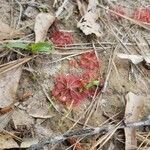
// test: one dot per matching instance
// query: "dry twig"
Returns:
(88, 132)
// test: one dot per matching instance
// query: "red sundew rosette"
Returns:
(68, 89)
(141, 14)
(88, 61)
(61, 38)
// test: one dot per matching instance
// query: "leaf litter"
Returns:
(88, 22)
(134, 109)
(6, 32)
(7, 142)
(65, 10)
(42, 23)
(9, 78)
(83, 78)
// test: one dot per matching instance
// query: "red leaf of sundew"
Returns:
(88, 76)
(61, 38)
(88, 61)
(118, 9)
(142, 14)
(72, 88)
(67, 89)
(73, 63)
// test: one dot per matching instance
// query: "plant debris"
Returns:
(82, 6)
(133, 112)
(7, 32)
(4, 120)
(42, 23)
(65, 10)
(31, 12)
(9, 79)
(135, 59)
(27, 142)
(86, 132)
(88, 22)
(7, 142)
(21, 118)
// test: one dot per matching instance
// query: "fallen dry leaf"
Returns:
(31, 12)
(7, 32)
(4, 119)
(20, 117)
(82, 7)
(7, 142)
(42, 23)
(135, 59)
(65, 10)
(146, 62)
(134, 108)
(8, 86)
(144, 50)
(9, 78)
(88, 22)
(37, 109)
(27, 142)
(147, 58)
(42, 132)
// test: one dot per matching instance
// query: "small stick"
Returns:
(86, 132)
(20, 14)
